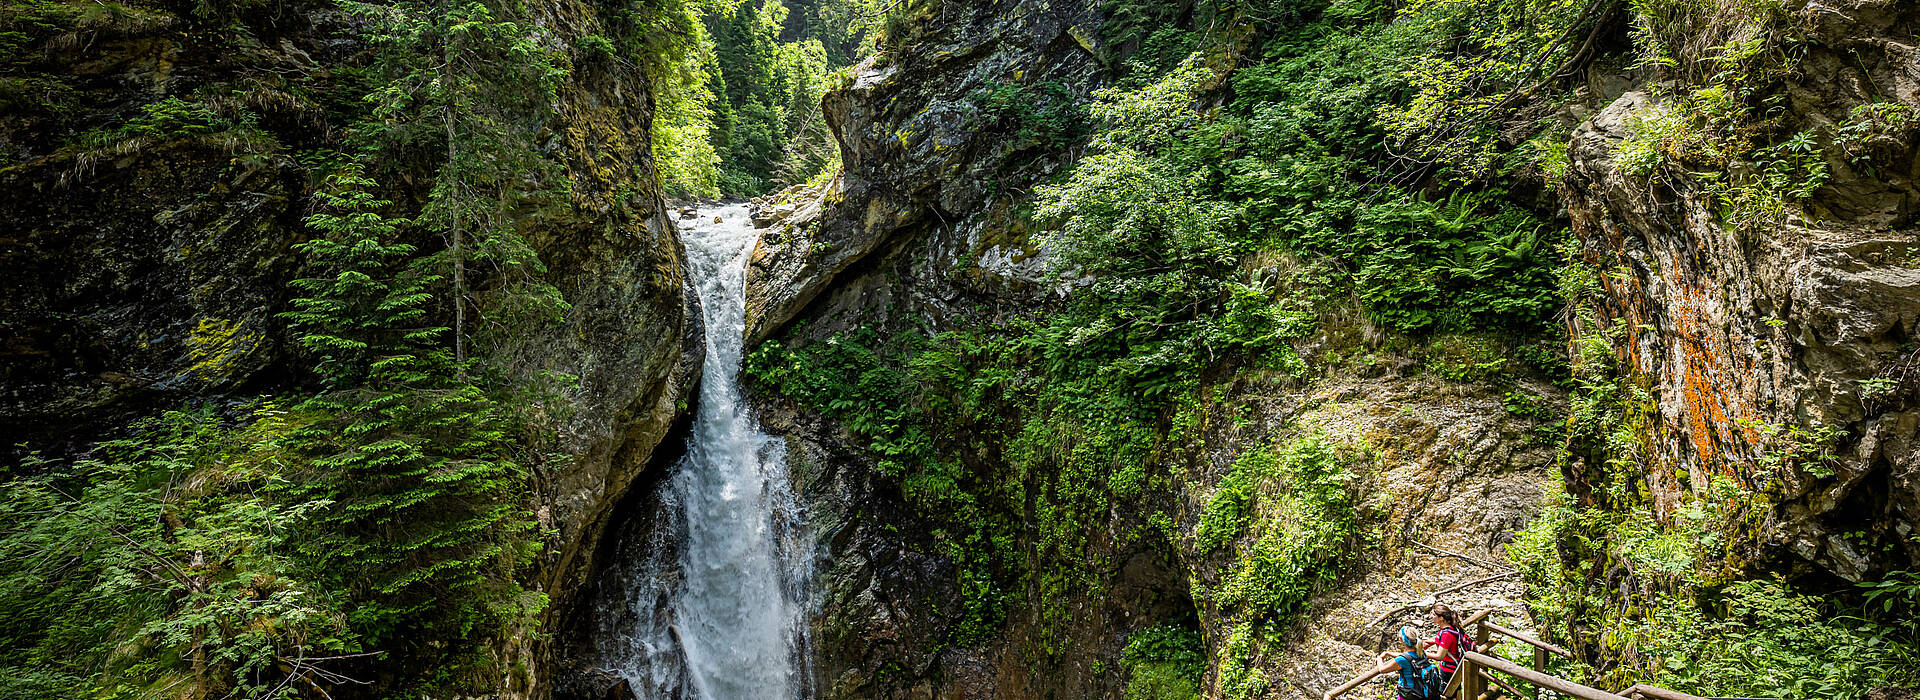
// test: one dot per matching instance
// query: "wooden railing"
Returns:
(1483, 677)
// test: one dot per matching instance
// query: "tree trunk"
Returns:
(453, 211)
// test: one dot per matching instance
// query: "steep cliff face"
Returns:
(921, 230)
(1807, 319)
(920, 154)
(1446, 463)
(148, 251)
(927, 231)
(159, 164)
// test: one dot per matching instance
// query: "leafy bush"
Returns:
(1040, 114)
(1231, 507)
(1164, 663)
(1761, 637)
(1686, 627)
(1305, 536)
(163, 558)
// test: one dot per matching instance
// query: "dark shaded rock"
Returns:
(155, 281)
(150, 272)
(591, 684)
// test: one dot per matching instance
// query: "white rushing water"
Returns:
(707, 598)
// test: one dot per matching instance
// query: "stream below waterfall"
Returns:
(706, 594)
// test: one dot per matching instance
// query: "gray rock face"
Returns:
(1794, 324)
(916, 155)
(632, 335)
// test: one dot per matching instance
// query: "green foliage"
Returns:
(423, 528)
(471, 86)
(768, 127)
(269, 553)
(1160, 53)
(162, 560)
(1301, 176)
(1787, 172)
(850, 377)
(894, 395)
(26, 23)
(1040, 114)
(168, 118)
(1303, 540)
(1475, 64)
(1231, 507)
(1761, 637)
(367, 303)
(1870, 123)
(670, 42)
(1164, 663)
(1685, 627)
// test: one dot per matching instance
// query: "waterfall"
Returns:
(707, 597)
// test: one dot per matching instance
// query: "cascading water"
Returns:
(707, 599)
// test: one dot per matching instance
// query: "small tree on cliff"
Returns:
(426, 522)
(464, 84)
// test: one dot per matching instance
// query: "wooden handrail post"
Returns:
(1476, 617)
(1539, 664)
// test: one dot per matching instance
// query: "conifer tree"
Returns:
(467, 86)
(424, 499)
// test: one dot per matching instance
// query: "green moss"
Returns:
(1163, 663)
(215, 346)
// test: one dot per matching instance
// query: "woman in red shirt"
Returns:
(1448, 647)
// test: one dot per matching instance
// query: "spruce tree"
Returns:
(426, 518)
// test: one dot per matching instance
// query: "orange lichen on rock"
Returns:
(1715, 399)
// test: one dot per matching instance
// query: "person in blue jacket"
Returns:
(1415, 676)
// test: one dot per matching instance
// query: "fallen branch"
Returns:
(1431, 598)
(1482, 562)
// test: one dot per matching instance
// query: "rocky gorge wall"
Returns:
(1805, 320)
(1725, 334)
(927, 230)
(150, 273)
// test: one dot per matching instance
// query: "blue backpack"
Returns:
(1419, 680)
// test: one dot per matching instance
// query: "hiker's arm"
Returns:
(1435, 652)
